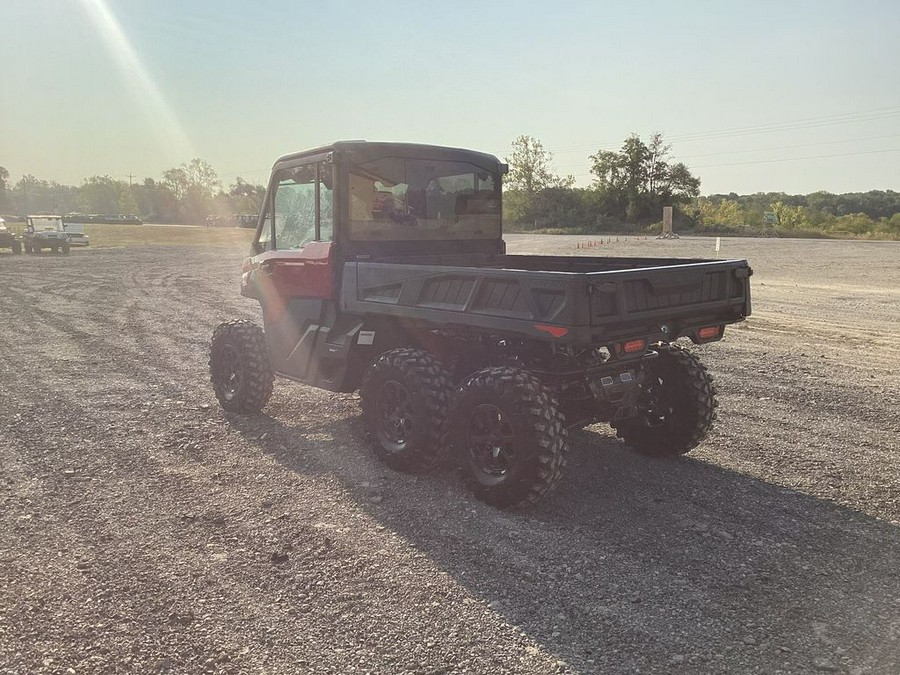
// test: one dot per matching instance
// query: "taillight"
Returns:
(708, 332)
(555, 331)
(633, 346)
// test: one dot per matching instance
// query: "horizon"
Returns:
(748, 103)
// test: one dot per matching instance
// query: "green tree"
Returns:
(789, 217)
(246, 197)
(99, 194)
(726, 214)
(202, 178)
(176, 181)
(638, 180)
(193, 186)
(530, 167)
(34, 195)
(555, 207)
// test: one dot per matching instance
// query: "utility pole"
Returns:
(130, 177)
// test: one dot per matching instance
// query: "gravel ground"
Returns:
(143, 530)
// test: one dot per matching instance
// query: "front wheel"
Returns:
(509, 436)
(404, 398)
(240, 372)
(676, 408)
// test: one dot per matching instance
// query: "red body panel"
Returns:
(306, 273)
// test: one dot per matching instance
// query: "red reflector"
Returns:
(634, 346)
(708, 332)
(555, 331)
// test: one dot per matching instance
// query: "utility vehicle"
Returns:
(76, 235)
(45, 232)
(8, 239)
(381, 267)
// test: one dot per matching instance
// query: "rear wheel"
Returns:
(239, 367)
(677, 406)
(509, 436)
(404, 398)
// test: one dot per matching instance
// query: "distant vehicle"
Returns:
(104, 218)
(8, 239)
(233, 220)
(77, 237)
(45, 232)
(381, 267)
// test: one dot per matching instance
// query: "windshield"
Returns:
(405, 199)
(47, 224)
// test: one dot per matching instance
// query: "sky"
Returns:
(753, 96)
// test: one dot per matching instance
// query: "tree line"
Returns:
(630, 186)
(184, 194)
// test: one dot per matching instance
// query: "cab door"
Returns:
(293, 275)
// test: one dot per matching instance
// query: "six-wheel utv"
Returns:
(381, 267)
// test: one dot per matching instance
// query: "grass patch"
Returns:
(117, 236)
(106, 236)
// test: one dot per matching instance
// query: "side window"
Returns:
(304, 206)
(295, 207)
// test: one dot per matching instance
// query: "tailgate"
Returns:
(705, 292)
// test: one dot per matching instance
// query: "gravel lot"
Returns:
(143, 530)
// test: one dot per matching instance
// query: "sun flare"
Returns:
(157, 110)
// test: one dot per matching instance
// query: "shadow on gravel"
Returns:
(637, 564)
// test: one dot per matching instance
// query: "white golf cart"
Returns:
(45, 232)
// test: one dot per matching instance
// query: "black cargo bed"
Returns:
(592, 299)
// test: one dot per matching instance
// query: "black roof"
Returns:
(367, 151)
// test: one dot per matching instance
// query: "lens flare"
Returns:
(159, 113)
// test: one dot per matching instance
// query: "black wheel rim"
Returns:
(490, 441)
(230, 377)
(657, 403)
(394, 416)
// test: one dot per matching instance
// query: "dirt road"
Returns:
(143, 530)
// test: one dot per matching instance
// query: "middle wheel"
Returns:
(405, 397)
(509, 436)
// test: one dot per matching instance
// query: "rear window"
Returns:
(405, 199)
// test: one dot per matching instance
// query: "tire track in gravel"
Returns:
(243, 591)
(712, 560)
(140, 477)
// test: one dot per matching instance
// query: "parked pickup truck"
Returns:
(381, 267)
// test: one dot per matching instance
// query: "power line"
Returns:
(873, 114)
(783, 159)
(771, 127)
(786, 147)
(780, 147)
(794, 159)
